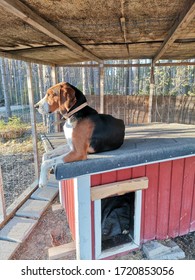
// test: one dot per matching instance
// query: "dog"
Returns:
(86, 131)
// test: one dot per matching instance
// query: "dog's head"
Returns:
(60, 97)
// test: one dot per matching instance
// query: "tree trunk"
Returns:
(5, 90)
(84, 78)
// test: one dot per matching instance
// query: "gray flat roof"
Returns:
(144, 144)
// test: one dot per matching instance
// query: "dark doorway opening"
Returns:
(117, 220)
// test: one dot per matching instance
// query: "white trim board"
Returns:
(99, 254)
(82, 202)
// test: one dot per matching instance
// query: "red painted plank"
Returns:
(187, 196)
(109, 177)
(163, 199)
(151, 202)
(136, 173)
(96, 180)
(68, 203)
(124, 174)
(175, 197)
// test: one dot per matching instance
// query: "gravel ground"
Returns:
(18, 173)
(17, 165)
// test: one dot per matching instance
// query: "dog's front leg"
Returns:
(56, 152)
(45, 168)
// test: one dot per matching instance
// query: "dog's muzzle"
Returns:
(42, 106)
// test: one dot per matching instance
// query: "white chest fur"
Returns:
(68, 129)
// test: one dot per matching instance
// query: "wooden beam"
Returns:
(152, 88)
(181, 23)
(56, 207)
(123, 24)
(124, 28)
(18, 202)
(185, 63)
(118, 188)
(61, 251)
(26, 14)
(101, 86)
(10, 55)
(2, 199)
(33, 118)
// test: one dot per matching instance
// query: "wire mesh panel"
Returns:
(16, 145)
(85, 78)
(17, 168)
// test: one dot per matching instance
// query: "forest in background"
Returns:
(169, 80)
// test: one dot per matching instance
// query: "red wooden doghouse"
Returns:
(154, 170)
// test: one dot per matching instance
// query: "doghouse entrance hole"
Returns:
(117, 220)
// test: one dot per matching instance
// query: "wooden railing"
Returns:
(2, 199)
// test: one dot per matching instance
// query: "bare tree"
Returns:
(5, 89)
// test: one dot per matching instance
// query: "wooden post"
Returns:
(33, 120)
(151, 93)
(101, 85)
(2, 199)
(54, 75)
(56, 114)
(41, 89)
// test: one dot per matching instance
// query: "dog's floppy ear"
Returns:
(67, 95)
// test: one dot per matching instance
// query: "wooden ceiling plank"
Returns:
(181, 23)
(26, 14)
(20, 57)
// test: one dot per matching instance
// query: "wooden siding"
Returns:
(67, 196)
(168, 205)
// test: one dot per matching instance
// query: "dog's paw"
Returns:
(41, 186)
(42, 183)
(44, 176)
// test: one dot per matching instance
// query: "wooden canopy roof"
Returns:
(61, 32)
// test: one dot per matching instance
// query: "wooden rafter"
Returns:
(123, 24)
(181, 23)
(26, 14)
(124, 65)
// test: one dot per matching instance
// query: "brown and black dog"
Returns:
(85, 130)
